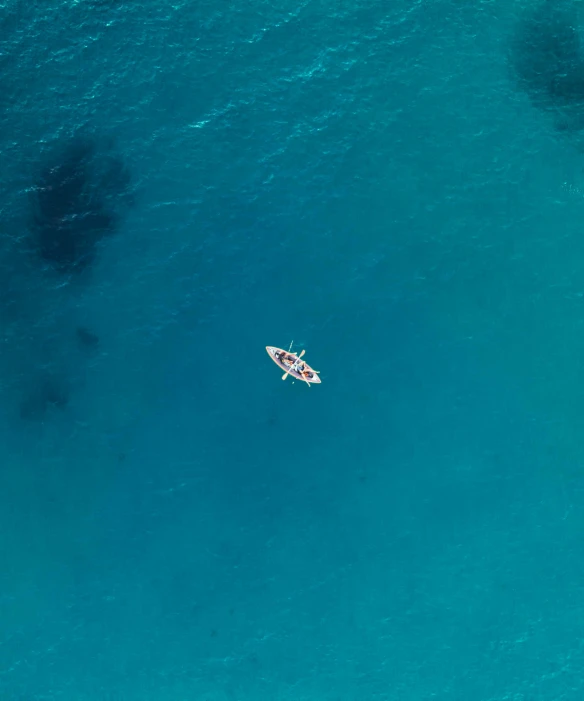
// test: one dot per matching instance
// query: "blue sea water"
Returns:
(368, 179)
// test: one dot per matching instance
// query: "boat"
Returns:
(292, 364)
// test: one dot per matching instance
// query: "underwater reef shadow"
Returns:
(79, 197)
(547, 60)
(48, 393)
(77, 201)
(54, 373)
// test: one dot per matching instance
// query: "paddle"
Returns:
(285, 375)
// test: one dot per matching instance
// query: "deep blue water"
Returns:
(398, 188)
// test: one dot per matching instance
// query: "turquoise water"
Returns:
(398, 188)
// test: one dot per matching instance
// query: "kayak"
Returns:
(293, 365)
